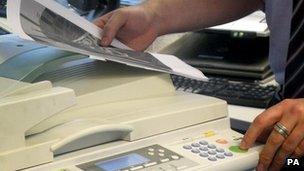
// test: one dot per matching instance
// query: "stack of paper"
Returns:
(50, 23)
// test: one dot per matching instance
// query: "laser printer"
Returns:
(62, 111)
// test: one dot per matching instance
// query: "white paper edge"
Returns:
(180, 67)
(13, 18)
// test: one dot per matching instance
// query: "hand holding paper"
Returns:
(50, 23)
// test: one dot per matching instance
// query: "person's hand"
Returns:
(134, 26)
(289, 113)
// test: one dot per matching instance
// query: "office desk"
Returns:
(241, 117)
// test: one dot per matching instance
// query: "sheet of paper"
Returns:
(50, 23)
(255, 22)
(179, 66)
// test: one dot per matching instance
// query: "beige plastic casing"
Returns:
(109, 107)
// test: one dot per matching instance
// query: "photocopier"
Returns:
(61, 111)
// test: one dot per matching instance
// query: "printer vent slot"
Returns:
(71, 72)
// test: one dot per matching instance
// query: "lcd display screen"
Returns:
(122, 162)
(130, 2)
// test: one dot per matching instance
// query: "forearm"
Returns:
(186, 15)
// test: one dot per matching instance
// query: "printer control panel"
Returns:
(187, 151)
(153, 157)
(211, 148)
(208, 150)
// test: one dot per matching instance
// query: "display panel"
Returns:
(130, 2)
(122, 162)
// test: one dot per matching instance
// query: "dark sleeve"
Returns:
(263, 6)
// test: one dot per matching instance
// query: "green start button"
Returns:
(237, 149)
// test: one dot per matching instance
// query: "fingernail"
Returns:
(104, 41)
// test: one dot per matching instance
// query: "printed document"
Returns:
(50, 23)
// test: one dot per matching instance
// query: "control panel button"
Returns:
(181, 167)
(203, 142)
(165, 160)
(164, 168)
(150, 153)
(211, 146)
(136, 168)
(161, 150)
(195, 151)
(237, 149)
(228, 154)
(220, 156)
(150, 164)
(203, 148)
(220, 150)
(161, 154)
(212, 158)
(175, 157)
(211, 152)
(151, 149)
(208, 133)
(204, 154)
(187, 147)
(195, 145)
(222, 141)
